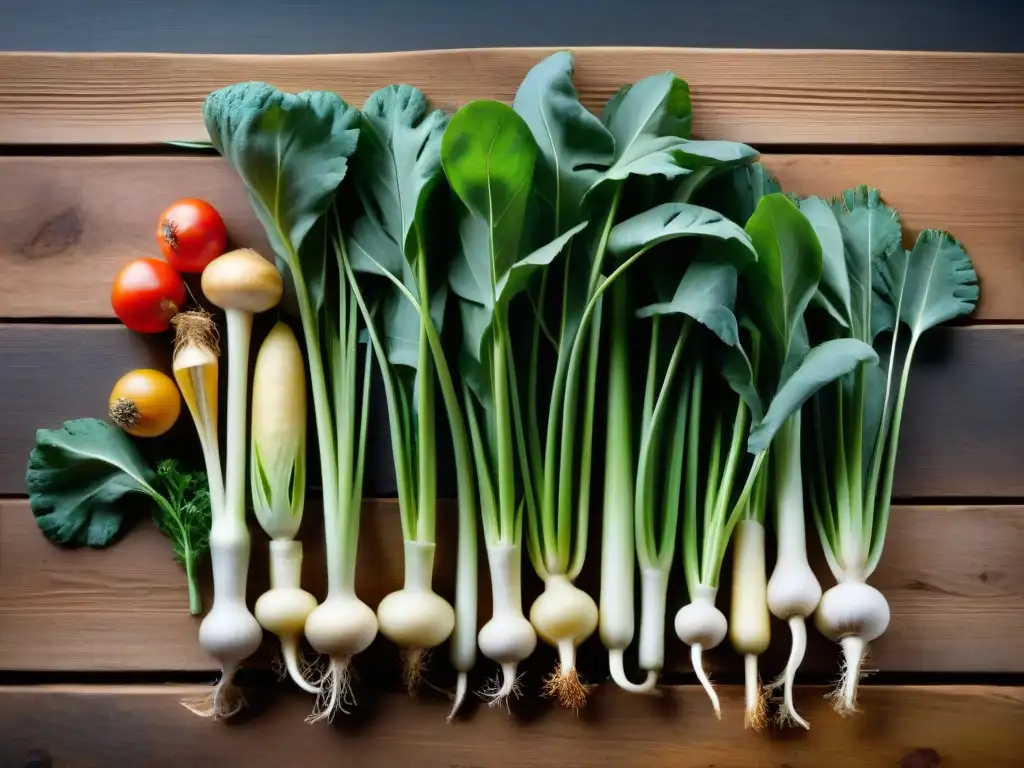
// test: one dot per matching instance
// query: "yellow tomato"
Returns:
(145, 403)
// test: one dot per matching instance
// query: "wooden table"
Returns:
(97, 647)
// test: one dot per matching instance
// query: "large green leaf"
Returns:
(647, 121)
(488, 154)
(291, 151)
(932, 284)
(573, 145)
(395, 169)
(823, 364)
(707, 293)
(77, 478)
(704, 160)
(737, 192)
(785, 276)
(669, 221)
(834, 288)
(871, 232)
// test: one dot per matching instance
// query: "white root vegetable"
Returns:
(793, 590)
(415, 618)
(241, 283)
(852, 614)
(507, 638)
(749, 625)
(702, 627)
(564, 616)
(284, 607)
(277, 470)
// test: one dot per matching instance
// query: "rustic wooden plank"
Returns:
(960, 437)
(947, 571)
(757, 96)
(911, 727)
(69, 224)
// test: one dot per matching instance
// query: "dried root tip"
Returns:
(335, 692)
(223, 702)
(844, 695)
(195, 328)
(696, 659)
(461, 686)
(564, 684)
(414, 662)
(124, 413)
(755, 714)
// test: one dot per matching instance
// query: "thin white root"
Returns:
(786, 715)
(461, 686)
(224, 701)
(497, 693)
(844, 695)
(334, 692)
(696, 659)
(618, 672)
(297, 667)
(755, 714)
(414, 662)
(277, 663)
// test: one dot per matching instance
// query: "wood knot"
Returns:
(921, 758)
(38, 758)
(55, 236)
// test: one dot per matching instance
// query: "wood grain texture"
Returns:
(946, 572)
(762, 97)
(69, 224)
(960, 436)
(910, 727)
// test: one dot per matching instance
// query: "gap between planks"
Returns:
(756, 96)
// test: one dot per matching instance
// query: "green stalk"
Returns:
(885, 498)
(482, 462)
(714, 482)
(503, 428)
(586, 457)
(673, 480)
(426, 445)
(691, 558)
(845, 515)
(855, 451)
(195, 600)
(724, 519)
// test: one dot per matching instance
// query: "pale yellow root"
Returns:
(224, 701)
(755, 715)
(335, 684)
(414, 662)
(565, 685)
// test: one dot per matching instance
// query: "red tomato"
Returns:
(191, 234)
(147, 293)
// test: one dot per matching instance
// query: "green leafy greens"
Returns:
(79, 475)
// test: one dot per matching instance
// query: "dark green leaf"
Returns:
(823, 364)
(516, 278)
(573, 145)
(651, 118)
(737, 192)
(76, 479)
(871, 232)
(707, 293)
(488, 154)
(291, 151)
(786, 274)
(834, 288)
(932, 284)
(673, 220)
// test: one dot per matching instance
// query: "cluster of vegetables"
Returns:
(617, 286)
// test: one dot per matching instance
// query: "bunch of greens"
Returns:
(78, 477)
(876, 293)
